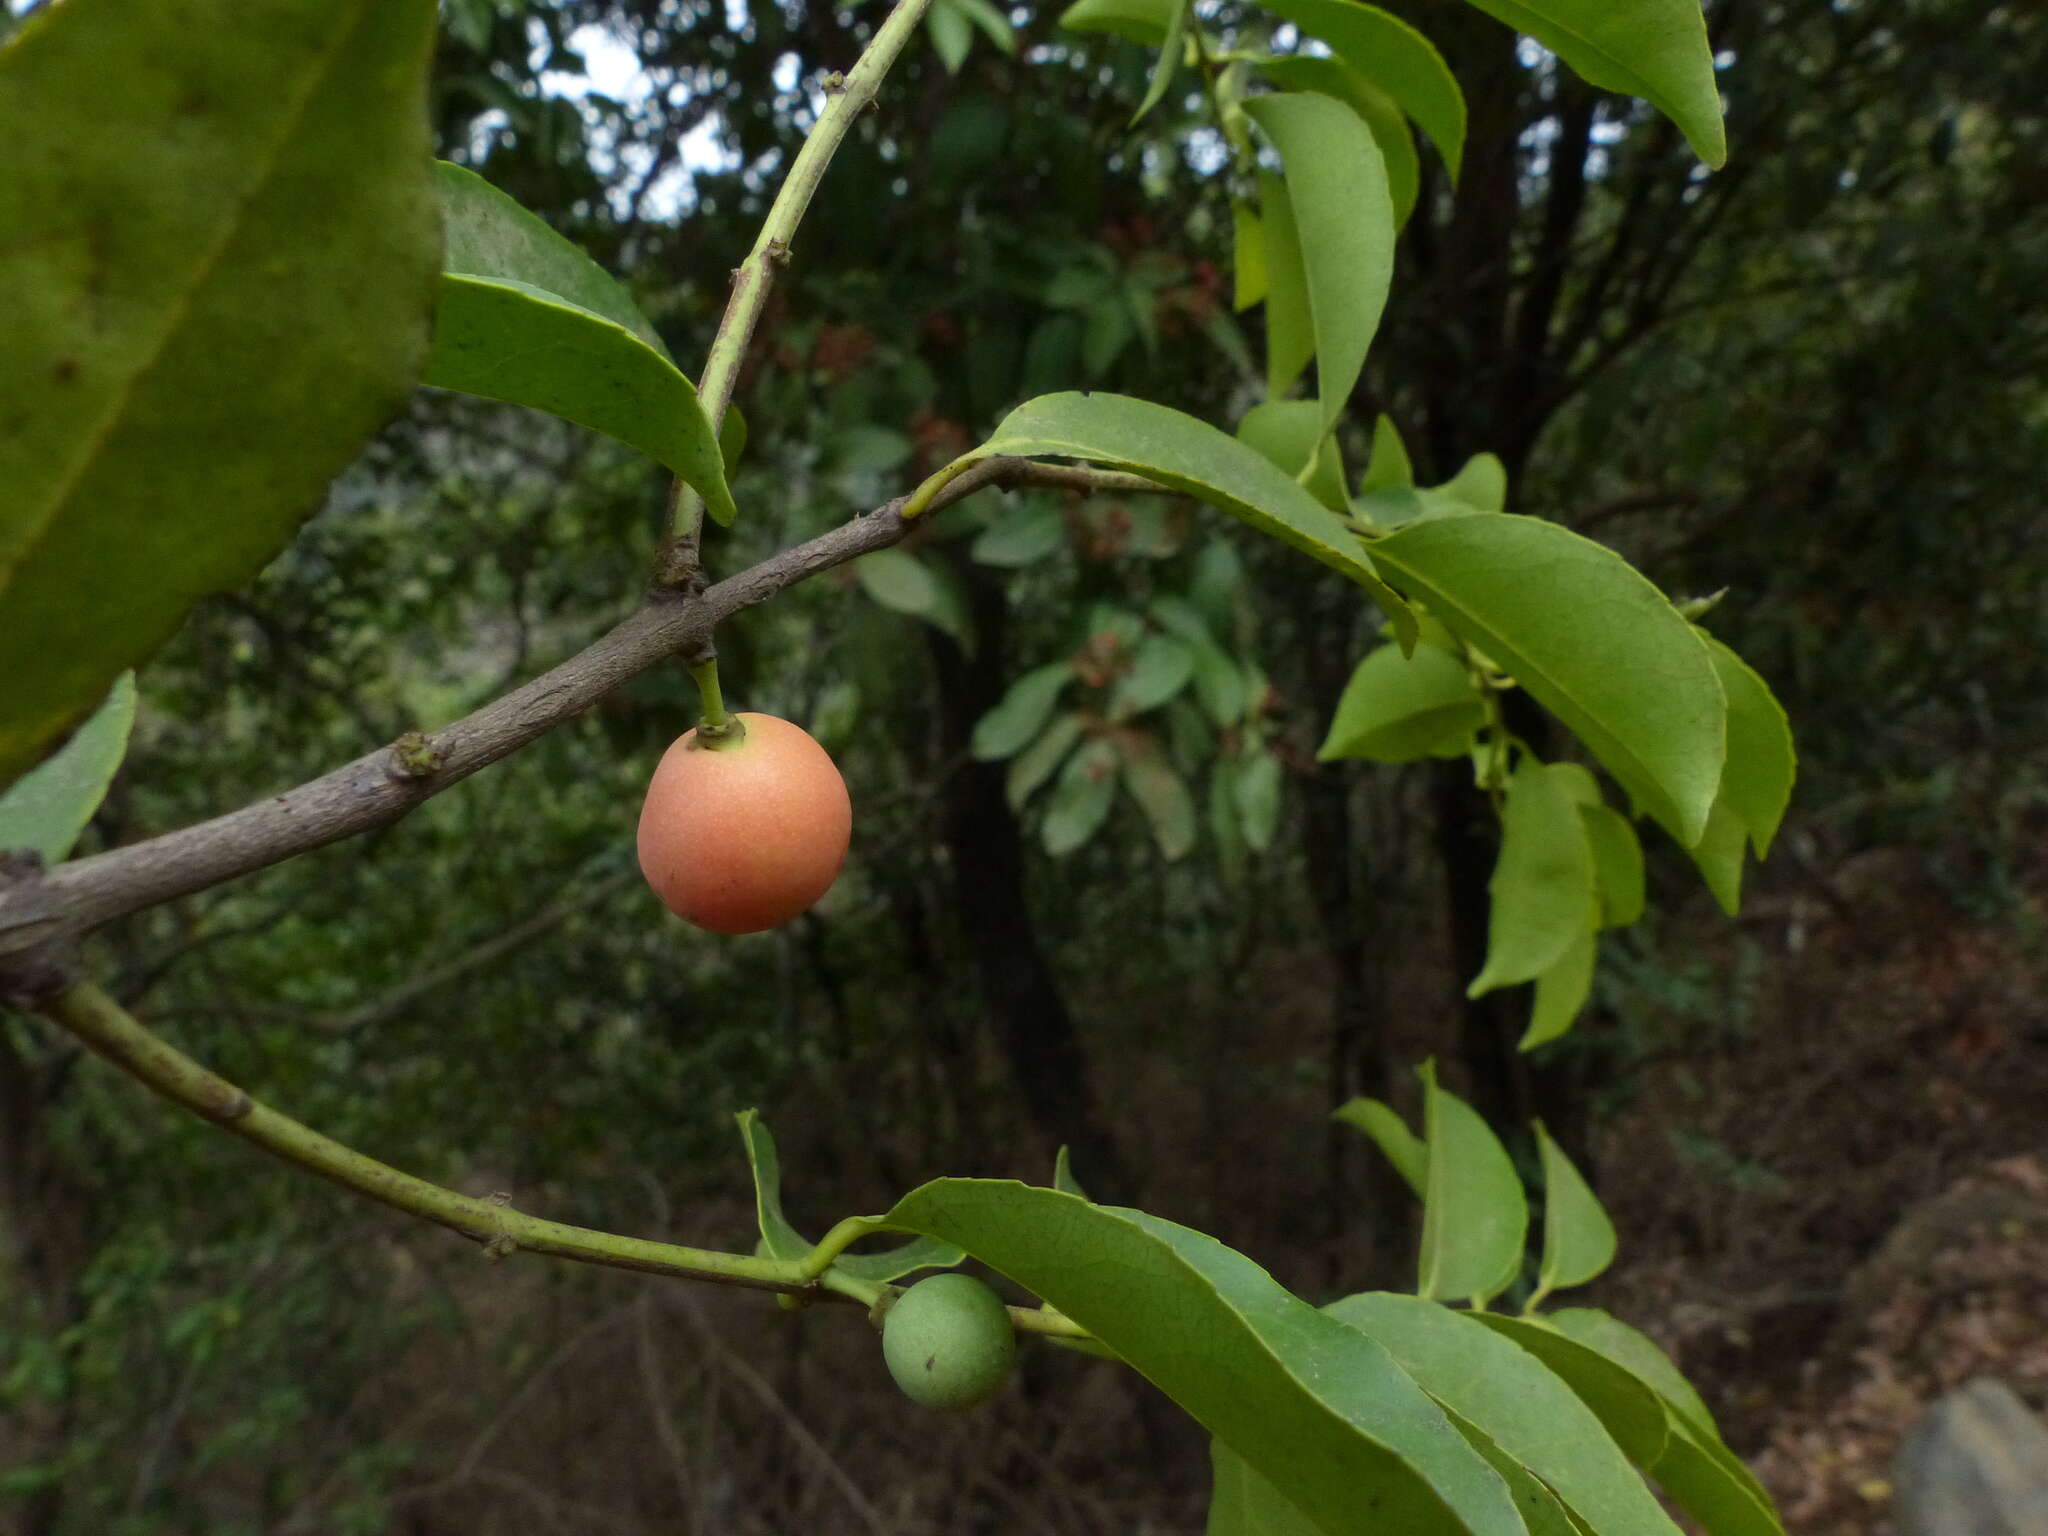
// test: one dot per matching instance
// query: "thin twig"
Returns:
(106, 1027)
(846, 98)
(43, 914)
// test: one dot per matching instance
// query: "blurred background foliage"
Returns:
(1814, 379)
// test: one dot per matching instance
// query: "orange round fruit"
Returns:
(741, 839)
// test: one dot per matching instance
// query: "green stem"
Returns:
(756, 275)
(718, 729)
(107, 1028)
(842, 1236)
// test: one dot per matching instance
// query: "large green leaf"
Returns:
(1292, 435)
(1695, 1467)
(1142, 21)
(1375, 108)
(218, 242)
(1475, 1217)
(1542, 885)
(1395, 57)
(1290, 332)
(1617, 864)
(1344, 217)
(1562, 990)
(1591, 639)
(1539, 1508)
(1160, 668)
(1630, 1410)
(1578, 1237)
(1398, 709)
(1511, 1397)
(1021, 713)
(44, 810)
(524, 316)
(1162, 794)
(1039, 761)
(1176, 450)
(906, 583)
(1757, 785)
(1655, 49)
(1081, 798)
(1242, 1503)
(1168, 62)
(1314, 1407)
(1401, 1147)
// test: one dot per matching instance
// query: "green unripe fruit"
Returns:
(948, 1342)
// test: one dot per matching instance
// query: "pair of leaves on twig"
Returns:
(1378, 1412)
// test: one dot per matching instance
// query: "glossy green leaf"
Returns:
(1634, 1350)
(1399, 1145)
(1168, 62)
(1707, 1481)
(952, 35)
(1226, 826)
(1242, 1503)
(1290, 329)
(1696, 1468)
(1162, 794)
(1191, 456)
(1757, 784)
(1314, 1407)
(779, 1240)
(1375, 108)
(1655, 49)
(904, 583)
(1021, 713)
(44, 810)
(1578, 1238)
(1160, 668)
(1631, 1412)
(1344, 219)
(1039, 761)
(1539, 1508)
(1021, 536)
(1142, 21)
(1220, 685)
(1063, 1178)
(1481, 483)
(1542, 885)
(1400, 709)
(1475, 1217)
(526, 317)
(1291, 434)
(1081, 799)
(1256, 787)
(1248, 257)
(1561, 991)
(1617, 864)
(488, 234)
(1395, 57)
(1588, 637)
(218, 242)
(1389, 465)
(994, 25)
(1512, 1398)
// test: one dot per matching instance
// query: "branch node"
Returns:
(37, 954)
(415, 755)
